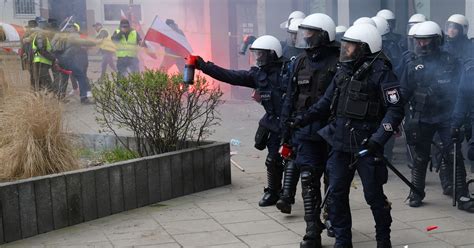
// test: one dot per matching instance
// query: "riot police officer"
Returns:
(456, 42)
(429, 82)
(464, 110)
(364, 106)
(290, 51)
(269, 78)
(391, 49)
(340, 30)
(392, 22)
(311, 74)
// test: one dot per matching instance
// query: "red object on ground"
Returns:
(431, 228)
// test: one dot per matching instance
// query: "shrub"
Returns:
(162, 113)
(33, 140)
(118, 154)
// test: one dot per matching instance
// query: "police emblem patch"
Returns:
(392, 95)
(387, 127)
(419, 67)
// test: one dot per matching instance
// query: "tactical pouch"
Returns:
(412, 131)
(261, 137)
(357, 103)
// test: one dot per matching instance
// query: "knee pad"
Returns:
(273, 161)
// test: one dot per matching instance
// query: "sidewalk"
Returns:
(230, 216)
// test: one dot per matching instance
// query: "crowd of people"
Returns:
(48, 49)
(337, 97)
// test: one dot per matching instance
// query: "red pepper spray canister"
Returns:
(286, 151)
(189, 68)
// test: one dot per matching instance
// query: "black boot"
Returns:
(418, 175)
(384, 244)
(446, 177)
(287, 197)
(310, 183)
(464, 202)
(343, 246)
(274, 176)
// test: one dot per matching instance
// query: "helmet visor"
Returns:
(310, 37)
(411, 43)
(425, 46)
(453, 30)
(350, 51)
(291, 38)
(261, 57)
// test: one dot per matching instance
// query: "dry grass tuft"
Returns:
(33, 141)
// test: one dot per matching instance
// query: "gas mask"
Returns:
(262, 57)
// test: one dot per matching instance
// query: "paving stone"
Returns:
(407, 236)
(141, 183)
(26, 193)
(205, 239)
(414, 214)
(224, 206)
(149, 237)
(457, 238)
(255, 227)
(129, 187)
(102, 184)
(127, 228)
(116, 189)
(178, 215)
(59, 199)
(74, 198)
(232, 245)
(271, 239)
(432, 244)
(191, 226)
(444, 225)
(89, 197)
(239, 216)
(167, 245)
(11, 213)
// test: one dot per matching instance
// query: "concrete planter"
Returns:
(42, 204)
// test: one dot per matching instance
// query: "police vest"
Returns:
(127, 47)
(107, 44)
(435, 88)
(37, 57)
(356, 98)
(311, 83)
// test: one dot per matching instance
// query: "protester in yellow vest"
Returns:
(107, 49)
(127, 40)
(43, 59)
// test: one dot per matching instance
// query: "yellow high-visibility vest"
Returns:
(38, 58)
(127, 47)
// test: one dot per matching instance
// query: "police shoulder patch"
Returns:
(392, 95)
(387, 127)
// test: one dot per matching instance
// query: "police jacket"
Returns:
(393, 51)
(464, 107)
(461, 48)
(362, 106)
(291, 52)
(311, 74)
(430, 85)
(269, 81)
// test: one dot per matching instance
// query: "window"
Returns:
(113, 12)
(25, 7)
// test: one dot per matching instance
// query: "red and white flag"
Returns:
(161, 33)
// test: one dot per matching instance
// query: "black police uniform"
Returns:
(311, 74)
(270, 82)
(460, 47)
(430, 84)
(464, 112)
(365, 108)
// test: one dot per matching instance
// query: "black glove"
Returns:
(373, 148)
(200, 63)
(455, 134)
(295, 123)
(470, 152)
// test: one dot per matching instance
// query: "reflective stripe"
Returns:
(127, 47)
(38, 58)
